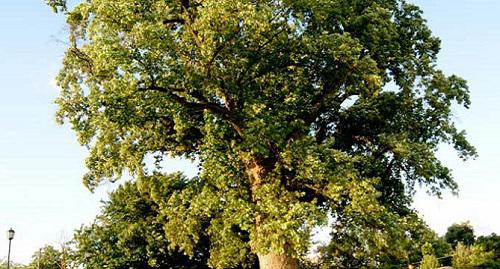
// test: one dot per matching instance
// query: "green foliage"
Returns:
(285, 104)
(491, 243)
(460, 232)
(49, 257)
(429, 260)
(470, 257)
(57, 5)
(443, 250)
(129, 233)
(3, 265)
(400, 242)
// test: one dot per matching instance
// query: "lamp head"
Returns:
(10, 234)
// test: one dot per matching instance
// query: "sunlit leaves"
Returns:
(297, 111)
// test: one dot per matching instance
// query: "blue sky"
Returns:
(469, 30)
(41, 195)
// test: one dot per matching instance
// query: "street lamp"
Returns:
(10, 235)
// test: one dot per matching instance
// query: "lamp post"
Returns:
(10, 235)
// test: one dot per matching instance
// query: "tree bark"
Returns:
(256, 173)
(275, 261)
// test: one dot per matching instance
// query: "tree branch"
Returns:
(217, 50)
(174, 20)
(82, 56)
(203, 104)
(185, 5)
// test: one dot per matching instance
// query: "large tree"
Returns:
(295, 111)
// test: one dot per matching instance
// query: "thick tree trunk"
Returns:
(257, 172)
(274, 261)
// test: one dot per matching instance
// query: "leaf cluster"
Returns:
(297, 111)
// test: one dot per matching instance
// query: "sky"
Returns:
(41, 164)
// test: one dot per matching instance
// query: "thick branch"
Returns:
(203, 104)
(185, 4)
(174, 20)
(82, 56)
(320, 102)
(209, 64)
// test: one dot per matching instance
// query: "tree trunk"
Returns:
(274, 261)
(257, 172)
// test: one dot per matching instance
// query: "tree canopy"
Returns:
(470, 257)
(429, 260)
(49, 257)
(3, 265)
(296, 111)
(460, 232)
(399, 244)
(491, 243)
(129, 234)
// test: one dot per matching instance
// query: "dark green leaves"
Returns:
(296, 110)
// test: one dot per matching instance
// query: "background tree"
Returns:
(491, 243)
(129, 234)
(429, 260)
(12, 265)
(49, 257)
(296, 111)
(470, 257)
(460, 232)
(403, 243)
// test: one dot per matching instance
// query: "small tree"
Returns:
(50, 257)
(13, 266)
(491, 243)
(429, 260)
(470, 257)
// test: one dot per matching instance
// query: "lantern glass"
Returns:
(10, 234)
